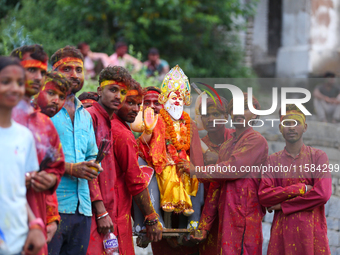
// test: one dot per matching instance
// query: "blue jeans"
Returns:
(72, 236)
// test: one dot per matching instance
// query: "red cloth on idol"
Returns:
(102, 188)
(210, 245)
(46, 138)
(235, 197)
(301, 227)
(130, 181)
(155, 156)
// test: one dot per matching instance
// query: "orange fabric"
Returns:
(52, 209)
(34, 63)
(132, 93)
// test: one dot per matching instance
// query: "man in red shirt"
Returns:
(216, 136)
(114, 83)
(298, 196)
(130, 180)
(236, 200)
(49, 150)
(49, 101)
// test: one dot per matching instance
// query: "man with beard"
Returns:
(50, 154)
(50, 100)
(298, 197)
(235, 200)
(74, 125)
(114, 83)
(53, 93)
(168, 142)
(130, 182)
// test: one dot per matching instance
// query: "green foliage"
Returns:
(192, 33)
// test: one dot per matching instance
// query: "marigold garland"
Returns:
(171, 130)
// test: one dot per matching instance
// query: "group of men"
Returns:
(80, 200)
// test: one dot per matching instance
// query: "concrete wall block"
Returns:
(332, 223)
(337, 190)
(334, 207)
(333, 237)
(337, 252)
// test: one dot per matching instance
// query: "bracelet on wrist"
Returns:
(99, 215)
(151, 222)
(103, 216)
(148, 131)
(151, 216)
(37, 224)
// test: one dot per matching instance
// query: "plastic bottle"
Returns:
(110, 242)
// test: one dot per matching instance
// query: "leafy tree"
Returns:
(196, 34)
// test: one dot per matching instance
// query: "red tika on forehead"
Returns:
(34, 63)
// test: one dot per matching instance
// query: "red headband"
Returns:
(34, 63)
(67, 59)
(152, 92)
(88, 101)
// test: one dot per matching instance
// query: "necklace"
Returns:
(171, 130)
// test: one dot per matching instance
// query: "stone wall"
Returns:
(327, 138)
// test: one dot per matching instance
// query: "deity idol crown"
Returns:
(175, 80)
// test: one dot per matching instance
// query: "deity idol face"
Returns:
(51, 99)
(34, 77)
(174, 105)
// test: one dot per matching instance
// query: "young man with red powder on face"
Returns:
(130, 182)
(235, 200)
(113, 85)
(74, 125)
(298, 197)
(53, 93)
(50, 100)
(34, 60)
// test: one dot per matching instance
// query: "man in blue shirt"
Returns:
(75, 129)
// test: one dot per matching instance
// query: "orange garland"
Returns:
(171, 130)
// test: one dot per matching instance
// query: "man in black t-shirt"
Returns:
(327, 100)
